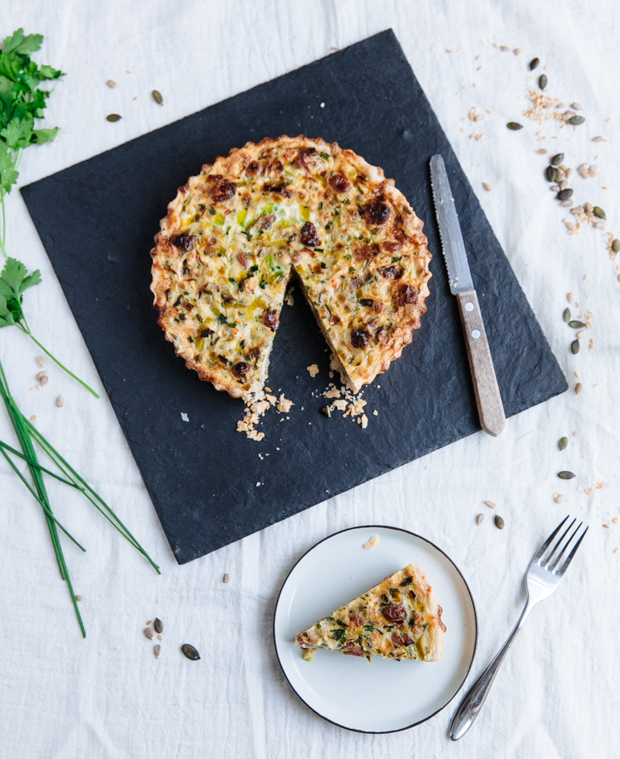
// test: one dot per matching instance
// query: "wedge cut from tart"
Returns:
(236, 232)
(397, 619)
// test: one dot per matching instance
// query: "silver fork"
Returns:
(543, 577)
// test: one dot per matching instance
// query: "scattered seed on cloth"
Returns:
(575, 324)
(158, 625)
(78, 598)
(226, 578)
(157, 97)
(148, 632)
(157, 651)
(114, 117)
(564, 475)
(534, 63)
(563, 443)
(598, 211)
(499, 522)
(60, 401)
(615, 246)
(486, 186)
(480, 519)
(514, 125)
(111, 83)
(190, 652)
(564, 194)
(490, 504)
(578, 388)
(40, 361)
(557, 159)
(542, 81)
(574, 346)
(576, 120)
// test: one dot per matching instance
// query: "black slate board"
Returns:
(97, 220)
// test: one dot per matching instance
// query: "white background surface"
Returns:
(107, 696)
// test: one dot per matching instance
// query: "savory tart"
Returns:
(236, 232)
(398, 619)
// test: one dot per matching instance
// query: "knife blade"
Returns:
(488, 397)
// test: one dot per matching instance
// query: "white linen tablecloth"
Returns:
(107, 696)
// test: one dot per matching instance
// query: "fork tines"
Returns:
(549, 560)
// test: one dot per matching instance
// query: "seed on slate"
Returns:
(576, 120)
(157, 97)
(499, 522)
(566, 475)
(574, 346)
(615, 246)
(325, 410)
(157, 651)
(564, 194)
(486, 186)
(575, 323)
(566, 315)
(557, 159)
(226, 578)
(111, 83)
(149, 633)
(114, 117)
(480, 519)
(563, 443)
(542, 81)
(60, 402)
(158, 625)
(533, 63)
(514, 125)
(190, 652)
(490, 504)
(598, 211)
(578, 388)
(550, 174)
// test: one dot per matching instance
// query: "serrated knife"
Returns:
(488, 398)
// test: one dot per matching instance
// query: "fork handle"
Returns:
(472, 703)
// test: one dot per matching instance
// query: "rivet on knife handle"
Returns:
(488, 398)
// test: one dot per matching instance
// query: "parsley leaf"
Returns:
(18, 43)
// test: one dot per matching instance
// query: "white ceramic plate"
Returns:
(385, 695)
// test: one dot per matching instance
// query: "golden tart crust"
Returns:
(235, 234)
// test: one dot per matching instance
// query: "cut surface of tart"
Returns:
(397, 619)
(236, 232)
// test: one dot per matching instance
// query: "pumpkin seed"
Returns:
(563, 443)
(149, 633)
(566, 315)
(514, 125)
(158, 625)
(190, 652)
(542, 81)
(533, 63)
(576, 120)
(114, 117)
(574, 346)
(157, 651)
(566, 475)
(550, 174)
(157, 97)
(557, 176)
(499, 522)
(480, 519)
(575, 323)
(615, 246)
(598, 211)
(557, 159)
(564, 194)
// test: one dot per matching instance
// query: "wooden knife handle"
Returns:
(488, 398)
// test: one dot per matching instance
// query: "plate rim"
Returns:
(471, 598)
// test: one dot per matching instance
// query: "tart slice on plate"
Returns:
(398, 619)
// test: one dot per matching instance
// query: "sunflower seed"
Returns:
(615, 246)
(588, 207)
(40, 361)
(542, 151)
(490, 504)
(576, 106)
(563, 443)
(566, 475)
(514, 125)
(533, 63)
(575, 324)
(499, 522)
(557, 159)
(593, 170)
(78, 598)
(570, 297)
(568, 115)
(226, 578)
(580, 334)
(40, 376)
(114, 117)
(578, 388)
(157, 97)
(570, 226)
(568, 172)
(583, 170)
(566, 203)
(157, 651)
(574, 346)
(60, 402)
(563, 184)
(577, 210)
(486, 186)
(111, 83)
(600, 225)
(326, 411)
(549, 173)
(160, 637)
(517, 50)
(190, 652)
(542, 81)
(480, 519)
(566, 315)
(148, 632)
(576, 120)
(598, 211)
(564, 194)
(158, 625)
(599, 139)
(555, 188)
